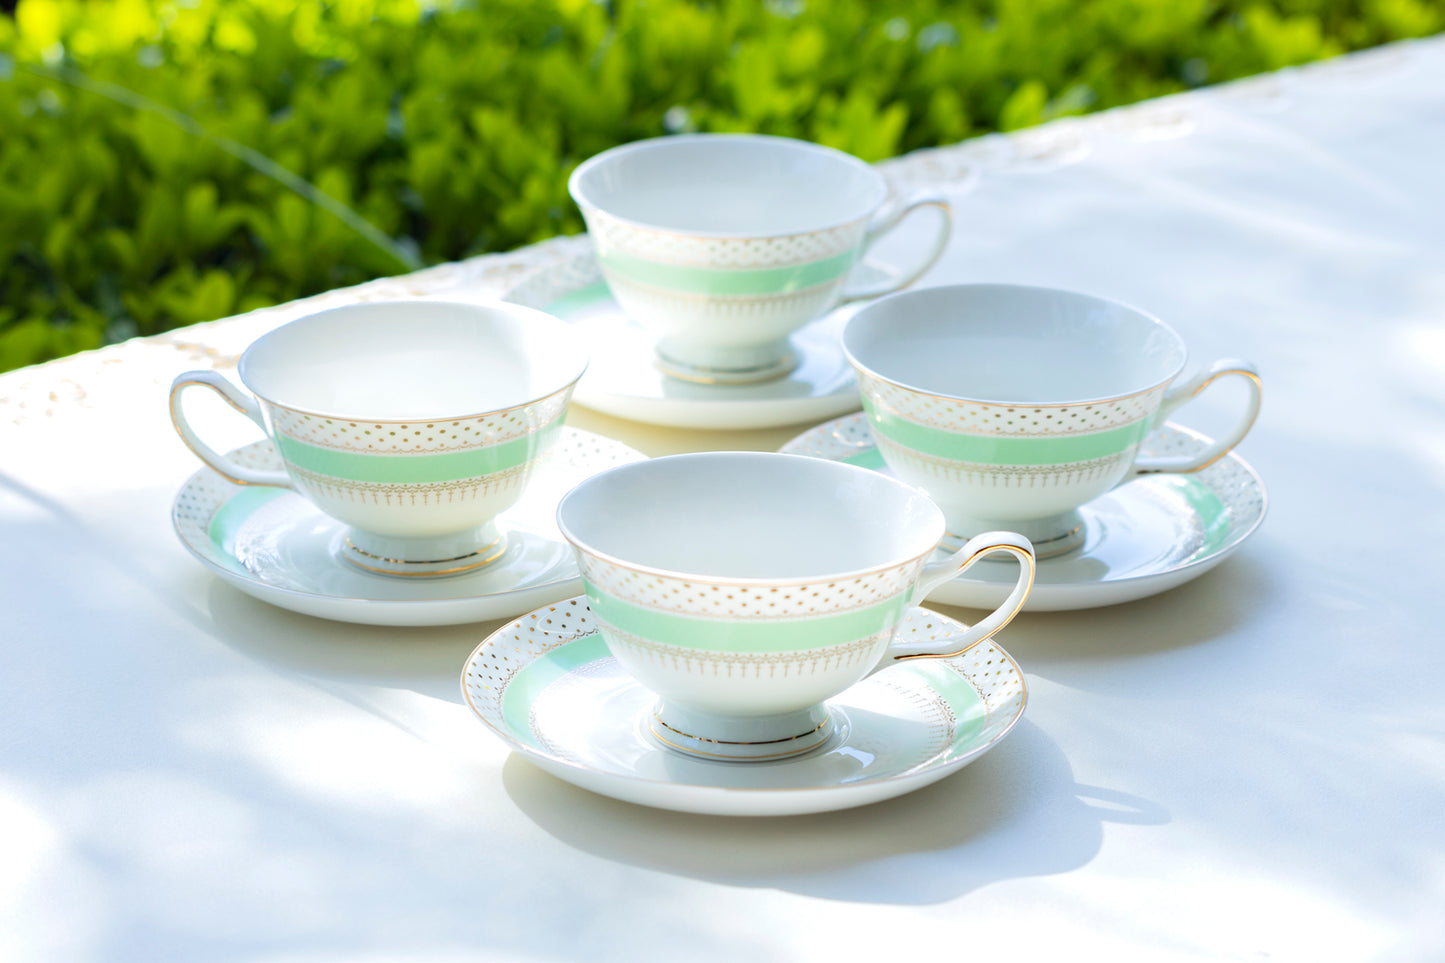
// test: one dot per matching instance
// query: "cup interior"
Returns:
(410, 360)
(727, 184)
(1013, 344)
(749, 515)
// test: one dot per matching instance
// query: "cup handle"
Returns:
(887, 220)
(1187, 391)
(243, 403)
(936, 573)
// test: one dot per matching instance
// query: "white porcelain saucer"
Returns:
(276, 546)
(1142, 538)
(623, 379)
(548, 687)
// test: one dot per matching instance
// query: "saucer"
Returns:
(625, 381)
(548, 687)
(1142, 538)
(276, 546)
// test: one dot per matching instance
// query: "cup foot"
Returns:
(1051, 537)
(423, 557)
(738, 367)
(740, 739)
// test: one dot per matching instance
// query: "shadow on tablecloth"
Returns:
(1016, 812)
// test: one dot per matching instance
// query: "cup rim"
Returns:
(531, 316)
(582, 545)
(993, 403)
(575, 189)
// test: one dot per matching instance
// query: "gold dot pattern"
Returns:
(609, 233)
(421, 437)
(749, 665)
(1020, 420)
(517, 644)
(509, 483)
(737, 307)
(717, 600)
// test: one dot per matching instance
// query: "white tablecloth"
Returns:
(1249, 767)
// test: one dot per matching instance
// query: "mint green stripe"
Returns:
(1004, 449)
(1213, 515)
(744, 635)
(696, 280)
(528, 684)
(233, 514)
(872, 458)
(579, 300)
(403, 469)
(970, 713)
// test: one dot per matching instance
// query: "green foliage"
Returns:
(166, 163)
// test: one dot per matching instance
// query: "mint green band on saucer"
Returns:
(400, 468)
(743, 634)
(234, 513)
(1005, 449)
(528, 684)
(1213, 514)
(872, 459)
(578, 300)
(699, 280)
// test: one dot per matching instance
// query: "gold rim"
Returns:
(735, 742)
(1012, 405)
(735, 758)
(1258, 390)
(499, 545)
(176, 425)
(416, 421)
(1025, 559)
(703, 375)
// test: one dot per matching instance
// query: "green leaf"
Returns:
(1024, 107)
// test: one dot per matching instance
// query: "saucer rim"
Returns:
(1135, 580)
(246, 578)
(839, 796)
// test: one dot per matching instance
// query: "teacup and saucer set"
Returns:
(415, 456)
(749, 642)
(1044, 411)
(708, 296)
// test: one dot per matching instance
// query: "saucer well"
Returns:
(276, 546)
(547, 685)
(625, 381)
(1143, 538)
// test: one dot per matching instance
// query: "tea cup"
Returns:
(415, 423)
(722, 245)
(747, 588)
(1012, 406)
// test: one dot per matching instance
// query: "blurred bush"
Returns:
(166, 163)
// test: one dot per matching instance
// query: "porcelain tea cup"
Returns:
(415, 423)
(722, 245)
(747, 588)
(1012, 406)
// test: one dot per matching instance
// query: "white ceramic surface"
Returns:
(547, 687)
(415, 422)
(623, 379)
(722, 245)
(1143, 538)
(745, 588)
(1013, 405)
(276, 546)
